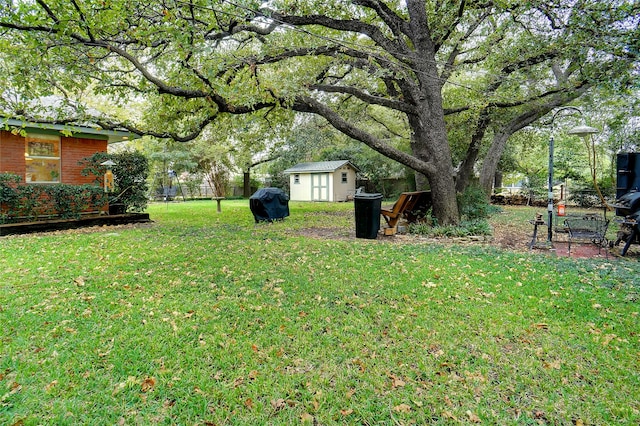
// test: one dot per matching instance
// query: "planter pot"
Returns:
(117, 208)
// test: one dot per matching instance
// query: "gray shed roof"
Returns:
(319, 167)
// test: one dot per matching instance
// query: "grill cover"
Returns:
(268, 204)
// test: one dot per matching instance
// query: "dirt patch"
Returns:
(504, 237)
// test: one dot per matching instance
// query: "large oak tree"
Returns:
(195, 60)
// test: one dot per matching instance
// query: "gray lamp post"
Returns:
(582, 131)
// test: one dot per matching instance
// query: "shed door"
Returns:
(319, 187)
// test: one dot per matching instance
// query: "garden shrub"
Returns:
(69, 201)
(584, 197)
(474, 211)
(20, 202)
(8, 194)
(129, 177)
(474, 204)
(464, 229)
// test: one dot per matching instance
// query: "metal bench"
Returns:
(591, 228)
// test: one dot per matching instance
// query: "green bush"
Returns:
(8, 194)
(474, 204)
(69, 201)
(129, 177)
(464, 229)
(29, 202)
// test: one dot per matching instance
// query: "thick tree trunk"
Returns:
(246, 181)
(497, 181)
(490, 163)
(422, 183)
(466, 168)
(445, 204)
(430, 144)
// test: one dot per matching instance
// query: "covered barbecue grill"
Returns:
(269, 204)
(627, 202)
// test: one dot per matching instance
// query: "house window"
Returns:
(296, 179)
(344, 177)
(42, 156)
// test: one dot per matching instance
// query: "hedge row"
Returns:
(20, 202)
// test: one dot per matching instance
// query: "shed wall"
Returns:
(300, 191)
(343, 190)
(337, 190)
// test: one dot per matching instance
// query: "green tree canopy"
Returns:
(195, 61)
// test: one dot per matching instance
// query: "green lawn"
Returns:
(208, 319)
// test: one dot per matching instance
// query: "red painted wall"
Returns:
(73, 150)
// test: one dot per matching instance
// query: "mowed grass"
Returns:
(206, 318)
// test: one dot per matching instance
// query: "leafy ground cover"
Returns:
(205, 318)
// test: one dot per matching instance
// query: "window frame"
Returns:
(47, 150)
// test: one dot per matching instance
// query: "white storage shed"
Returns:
(322, 181)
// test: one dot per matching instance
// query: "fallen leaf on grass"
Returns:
(473, 417)
(555, 365)
(278, 404)
(248, 403)
(148, 384)
(15, 388)
(449, 415)
(402, 408)
(360, 364)
(50, 386)
(397, 382)
(538, 414)
(608, 338)
(346, 412)
(307, 418)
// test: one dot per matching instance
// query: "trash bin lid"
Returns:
(368, 196)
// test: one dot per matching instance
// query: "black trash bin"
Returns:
(367, 210)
